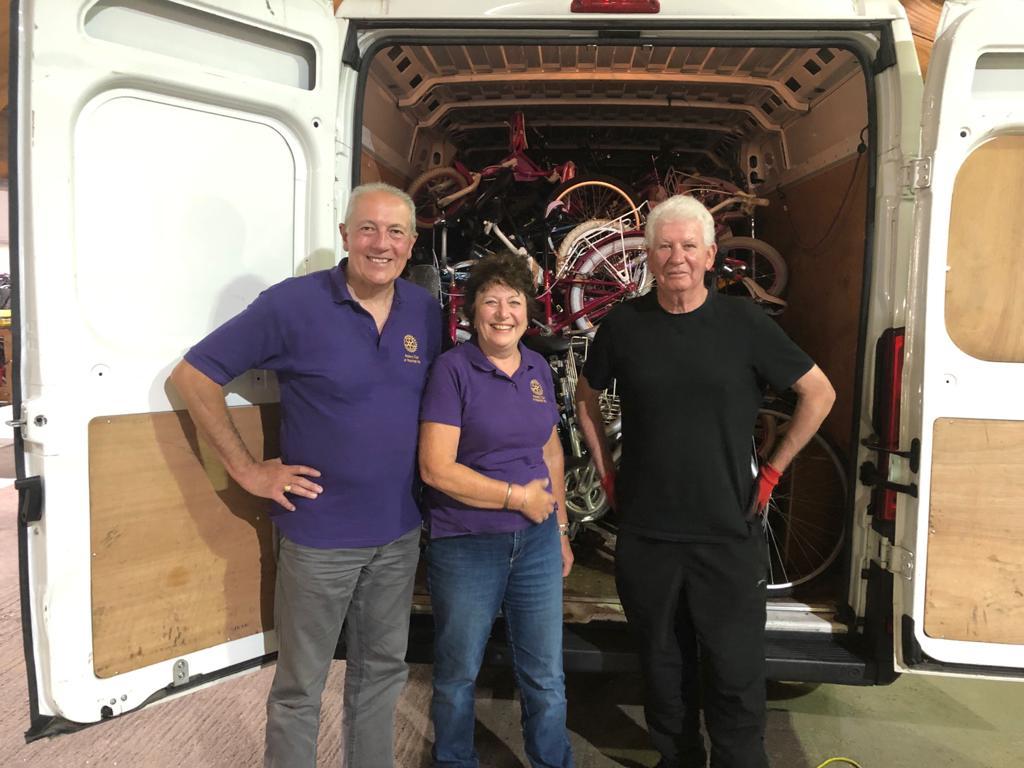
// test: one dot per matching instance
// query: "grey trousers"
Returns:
(317, 590)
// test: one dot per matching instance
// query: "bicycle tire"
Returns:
(429, 187)
(619, 256)
(585, 497)
(596, 197)
(565, 248)
(765, 264)
(804, 527)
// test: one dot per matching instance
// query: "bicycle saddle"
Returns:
(546, 345)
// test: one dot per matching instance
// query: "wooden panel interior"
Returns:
(984, 311)
(923, 16)
(371, 169)
(822, 238)
(182, 556)
(974, 587)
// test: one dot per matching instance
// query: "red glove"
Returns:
(608, 483)
(767, 478)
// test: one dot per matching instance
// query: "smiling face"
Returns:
(499, 318)
(679, 258)
(378, 239)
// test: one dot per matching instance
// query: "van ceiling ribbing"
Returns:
(692, 100)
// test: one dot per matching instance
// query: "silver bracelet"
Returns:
(508, 496)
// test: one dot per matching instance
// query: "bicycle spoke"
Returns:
(773, 542)
(803, 526)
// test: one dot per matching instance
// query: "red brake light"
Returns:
(886, 419)
(615, 6)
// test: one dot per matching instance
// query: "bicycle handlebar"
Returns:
(491, 227)
(475, 179)
(747, 202)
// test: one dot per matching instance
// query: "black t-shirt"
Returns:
(690, 386)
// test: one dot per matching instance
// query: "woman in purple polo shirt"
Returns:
(498, 532)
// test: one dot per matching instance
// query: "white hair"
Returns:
(379, 186)
(680, 208)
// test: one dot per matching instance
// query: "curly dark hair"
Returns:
(506, 269)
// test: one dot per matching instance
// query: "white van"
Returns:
(174, 157)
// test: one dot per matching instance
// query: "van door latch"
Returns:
(30, 499)
(179, 673)
(896, 559)
(917, 174)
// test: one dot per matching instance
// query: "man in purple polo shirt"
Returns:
(351, 347)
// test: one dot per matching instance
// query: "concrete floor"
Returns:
(917, 722)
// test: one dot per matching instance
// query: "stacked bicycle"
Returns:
(585, 246)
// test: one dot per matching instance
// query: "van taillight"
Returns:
(615, 6)
(886, 415)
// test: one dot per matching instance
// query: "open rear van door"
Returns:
(959, 547)
(174, 158)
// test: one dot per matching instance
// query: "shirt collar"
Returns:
(479, 360)
(342, 295)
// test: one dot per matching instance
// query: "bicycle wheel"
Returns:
(431, 186)
(804, 526)
(585, 497)
(760, 261)
(596, 197)
(615, 271)
(579, 238)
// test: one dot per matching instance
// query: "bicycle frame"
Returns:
(555, 318)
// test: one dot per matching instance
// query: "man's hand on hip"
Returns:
(765, 482)
(273, 480)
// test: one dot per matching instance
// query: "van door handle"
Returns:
(913, 455)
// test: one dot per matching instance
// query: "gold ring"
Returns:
(287, 489)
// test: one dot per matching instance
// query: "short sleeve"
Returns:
(251, 339)
(599, 369)
(776, 358)
(442, 397)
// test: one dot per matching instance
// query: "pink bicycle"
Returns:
(445, 191)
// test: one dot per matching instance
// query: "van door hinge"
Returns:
(896, 559)
(917, 173)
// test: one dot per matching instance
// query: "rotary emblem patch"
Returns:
(411, 345)
(538, 391)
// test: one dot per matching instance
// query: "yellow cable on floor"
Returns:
(846, 760)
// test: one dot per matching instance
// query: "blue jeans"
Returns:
(471, 578)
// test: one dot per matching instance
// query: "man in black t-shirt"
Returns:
(691, 563)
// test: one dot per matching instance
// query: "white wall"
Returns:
(5, 256)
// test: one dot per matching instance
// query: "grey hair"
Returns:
(680, 208)
(380, 186)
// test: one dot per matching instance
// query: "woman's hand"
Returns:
(567, 557)
(536, 503)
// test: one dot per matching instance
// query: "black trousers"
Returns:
(681, 595)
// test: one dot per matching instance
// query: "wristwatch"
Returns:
(563, 529)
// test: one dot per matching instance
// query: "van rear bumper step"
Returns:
(807, 657)
(818, 658)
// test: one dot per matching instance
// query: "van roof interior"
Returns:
(608, 107)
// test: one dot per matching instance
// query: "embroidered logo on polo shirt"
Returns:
(411, 345)
(538, 391)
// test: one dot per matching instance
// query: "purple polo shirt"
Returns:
(349, 400)
(504, 421)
